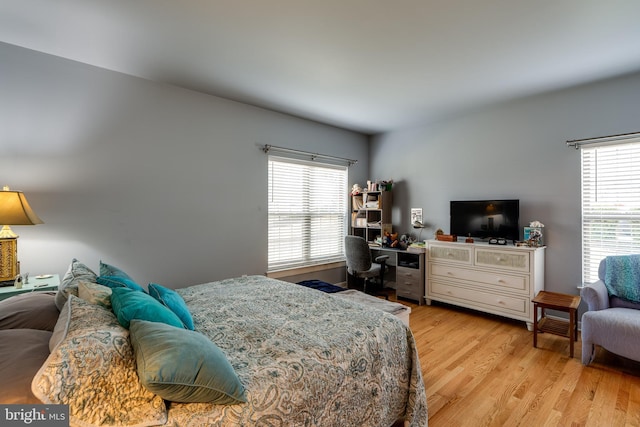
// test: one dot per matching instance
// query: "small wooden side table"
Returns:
(560, 302)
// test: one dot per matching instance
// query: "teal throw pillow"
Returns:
(173, 301)
(128, 304)
(183, 366)
(119, 282)
(110, 270)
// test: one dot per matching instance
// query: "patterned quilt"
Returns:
(306, 358)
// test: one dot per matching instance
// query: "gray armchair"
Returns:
(610, 322)
(361, 266)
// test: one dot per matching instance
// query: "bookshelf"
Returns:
(371, 214)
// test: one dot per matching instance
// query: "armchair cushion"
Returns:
(623, 303)
(615, 329)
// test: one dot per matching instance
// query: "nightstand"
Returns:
(35, 284)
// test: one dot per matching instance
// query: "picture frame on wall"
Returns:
(416, 215)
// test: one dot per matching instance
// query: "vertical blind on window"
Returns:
(307, 213)
(610, 203)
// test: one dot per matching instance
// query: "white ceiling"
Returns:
(366, 65)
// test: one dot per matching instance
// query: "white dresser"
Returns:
(495, 279)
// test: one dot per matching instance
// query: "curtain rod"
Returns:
(268, 147)
(576, 143)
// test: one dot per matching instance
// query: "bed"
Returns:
(399, 310)
(285, 355)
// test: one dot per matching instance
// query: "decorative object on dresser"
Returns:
(533, 234)
(14, 210)
(447, 237)
(500, 281)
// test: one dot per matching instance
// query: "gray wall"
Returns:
(168, 184)
(513, 150)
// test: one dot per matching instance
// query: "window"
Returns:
(307, 213)
(610, 203)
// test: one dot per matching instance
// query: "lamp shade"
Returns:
(15, 210)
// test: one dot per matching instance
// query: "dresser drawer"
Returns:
(460, 255)
(495, 280)
(408, 276)
(500, 304)
(409, 283)
(517, 261)
(409, 292)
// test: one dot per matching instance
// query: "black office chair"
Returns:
(360, 265)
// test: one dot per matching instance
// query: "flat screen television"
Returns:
(484, 219)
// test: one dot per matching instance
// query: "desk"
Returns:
(405, 271)
(34, 285)
(560, 302)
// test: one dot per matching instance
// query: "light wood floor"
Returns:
(481, 370)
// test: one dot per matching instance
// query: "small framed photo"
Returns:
(416, 215)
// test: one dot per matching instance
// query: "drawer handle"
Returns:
(500, 302)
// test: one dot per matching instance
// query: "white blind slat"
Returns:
(307, 213)
(610, 204)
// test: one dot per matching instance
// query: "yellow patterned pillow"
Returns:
(93, 370)
(95, 293)
(69, 284)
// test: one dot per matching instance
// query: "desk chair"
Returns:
(360, 265)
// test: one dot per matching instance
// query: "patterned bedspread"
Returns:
(306, 358)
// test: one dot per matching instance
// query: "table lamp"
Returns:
(419, 225)
(14, 210)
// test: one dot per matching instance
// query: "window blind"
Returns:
(610, 203)
(307, 213)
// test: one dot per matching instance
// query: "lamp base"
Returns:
(7, 233)
(8, 259)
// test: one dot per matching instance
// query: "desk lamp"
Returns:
(419, 225)
(14, 210)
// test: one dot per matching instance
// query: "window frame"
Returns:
(309, 215)
(610, 202)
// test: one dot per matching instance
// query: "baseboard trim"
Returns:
(277, 274)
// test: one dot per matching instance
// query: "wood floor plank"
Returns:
(482, 370)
